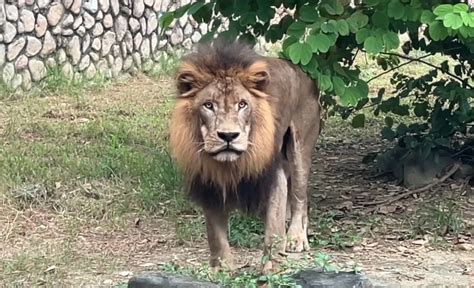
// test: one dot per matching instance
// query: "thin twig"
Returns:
(419, 190)
(429, 64)
(399, 66)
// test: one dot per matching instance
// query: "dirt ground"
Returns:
(90, 252)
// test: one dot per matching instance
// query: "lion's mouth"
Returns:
(227, 149)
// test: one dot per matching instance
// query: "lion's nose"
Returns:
(228, 136)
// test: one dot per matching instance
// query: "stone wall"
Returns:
(86, 37)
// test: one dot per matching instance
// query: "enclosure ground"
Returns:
(87, 198)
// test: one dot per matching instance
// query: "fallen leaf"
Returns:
(51, 269)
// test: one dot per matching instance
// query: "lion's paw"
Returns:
(297, 241)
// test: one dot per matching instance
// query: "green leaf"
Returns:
(453, 21)
(362, 89)
(358, 20)
(358, 121)
(166, 19)
(350, 97)
(371, 3)
(306, 53)
(248, 18)
(178, 13)
(388, 121)
(320, 43)
(391, 40)
(288, 41)
(460, 7)
(373, 44)
(437, 31)
(396, 9)
(339, 85)
(362, 34)
(308, 13)
(203, 14)
(342, 27)
(329, 27)
(324, 82)
(443, 9)
(195, 7)
(296, 29)
(427, 17)
(388, 133)
(333, 7)
(380, 19)
(295, 52)
(471, 20)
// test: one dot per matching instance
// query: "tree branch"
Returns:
(396, 67)
(429, 64)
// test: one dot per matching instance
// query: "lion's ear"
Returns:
(257, 76)
(188, 81)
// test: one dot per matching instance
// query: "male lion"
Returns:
(243, 130)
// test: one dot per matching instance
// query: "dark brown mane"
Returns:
(222, 56)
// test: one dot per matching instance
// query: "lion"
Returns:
(242, 131)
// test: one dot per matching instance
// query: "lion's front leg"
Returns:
(275, 238)
(216, 225)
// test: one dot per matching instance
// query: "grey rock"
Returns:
(154, 42)
(33, 46)
(117, 66)
(183, 20)
(134, 24)
(28, 19)
(137, 59)
(85, 62)
(196, 37)
(125, 10)
(150, 279)
(16, 81)
(73, 49)
(11, 12)
(104, 5)
(138, 8)
(50, 62)
(37, 70)
(67, 21)
(137, 41)
(116, 50)
(2, 54)
(148, 65)
(123, 49)
(57, 30)
(77, 22)
(62, 57)
(165, 5)
(317, 279)
(96, 44)
(176, 37)
(29, 2)
(120, 27)
(69, 32)
(128, 41)
(188, 29)
(20, 27)
(107, 42)
(162, 43)
(143, 25)
(43, 3)
(26, 82)
(149, 3)
(3, 16)
(86, 42)
(91, 5)
(94, 56)
(76, 6)
(15, 48)
(145, 48)
(56, 11)
(115, 6)
(41, 25)
(49, 44)
(103, 67)
(99, 16)
(9, 32)
(8, 73)
(126, 2)
(110, 59)
(152, 24)
(77, 77)
(187, 43)
(67, 3)
(157, 6)
(97, 30)
(89, 21)
(108, 21)
(90, 71)
(127, 63)
(81, 31)
(67, 70)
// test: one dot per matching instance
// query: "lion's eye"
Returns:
(242, 104)
(209, 105)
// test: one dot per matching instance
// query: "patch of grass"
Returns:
(168, 65)
(245, 231)
(332, 234)
(190, 229)
(438, 219)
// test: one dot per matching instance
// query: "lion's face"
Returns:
(225, 111)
